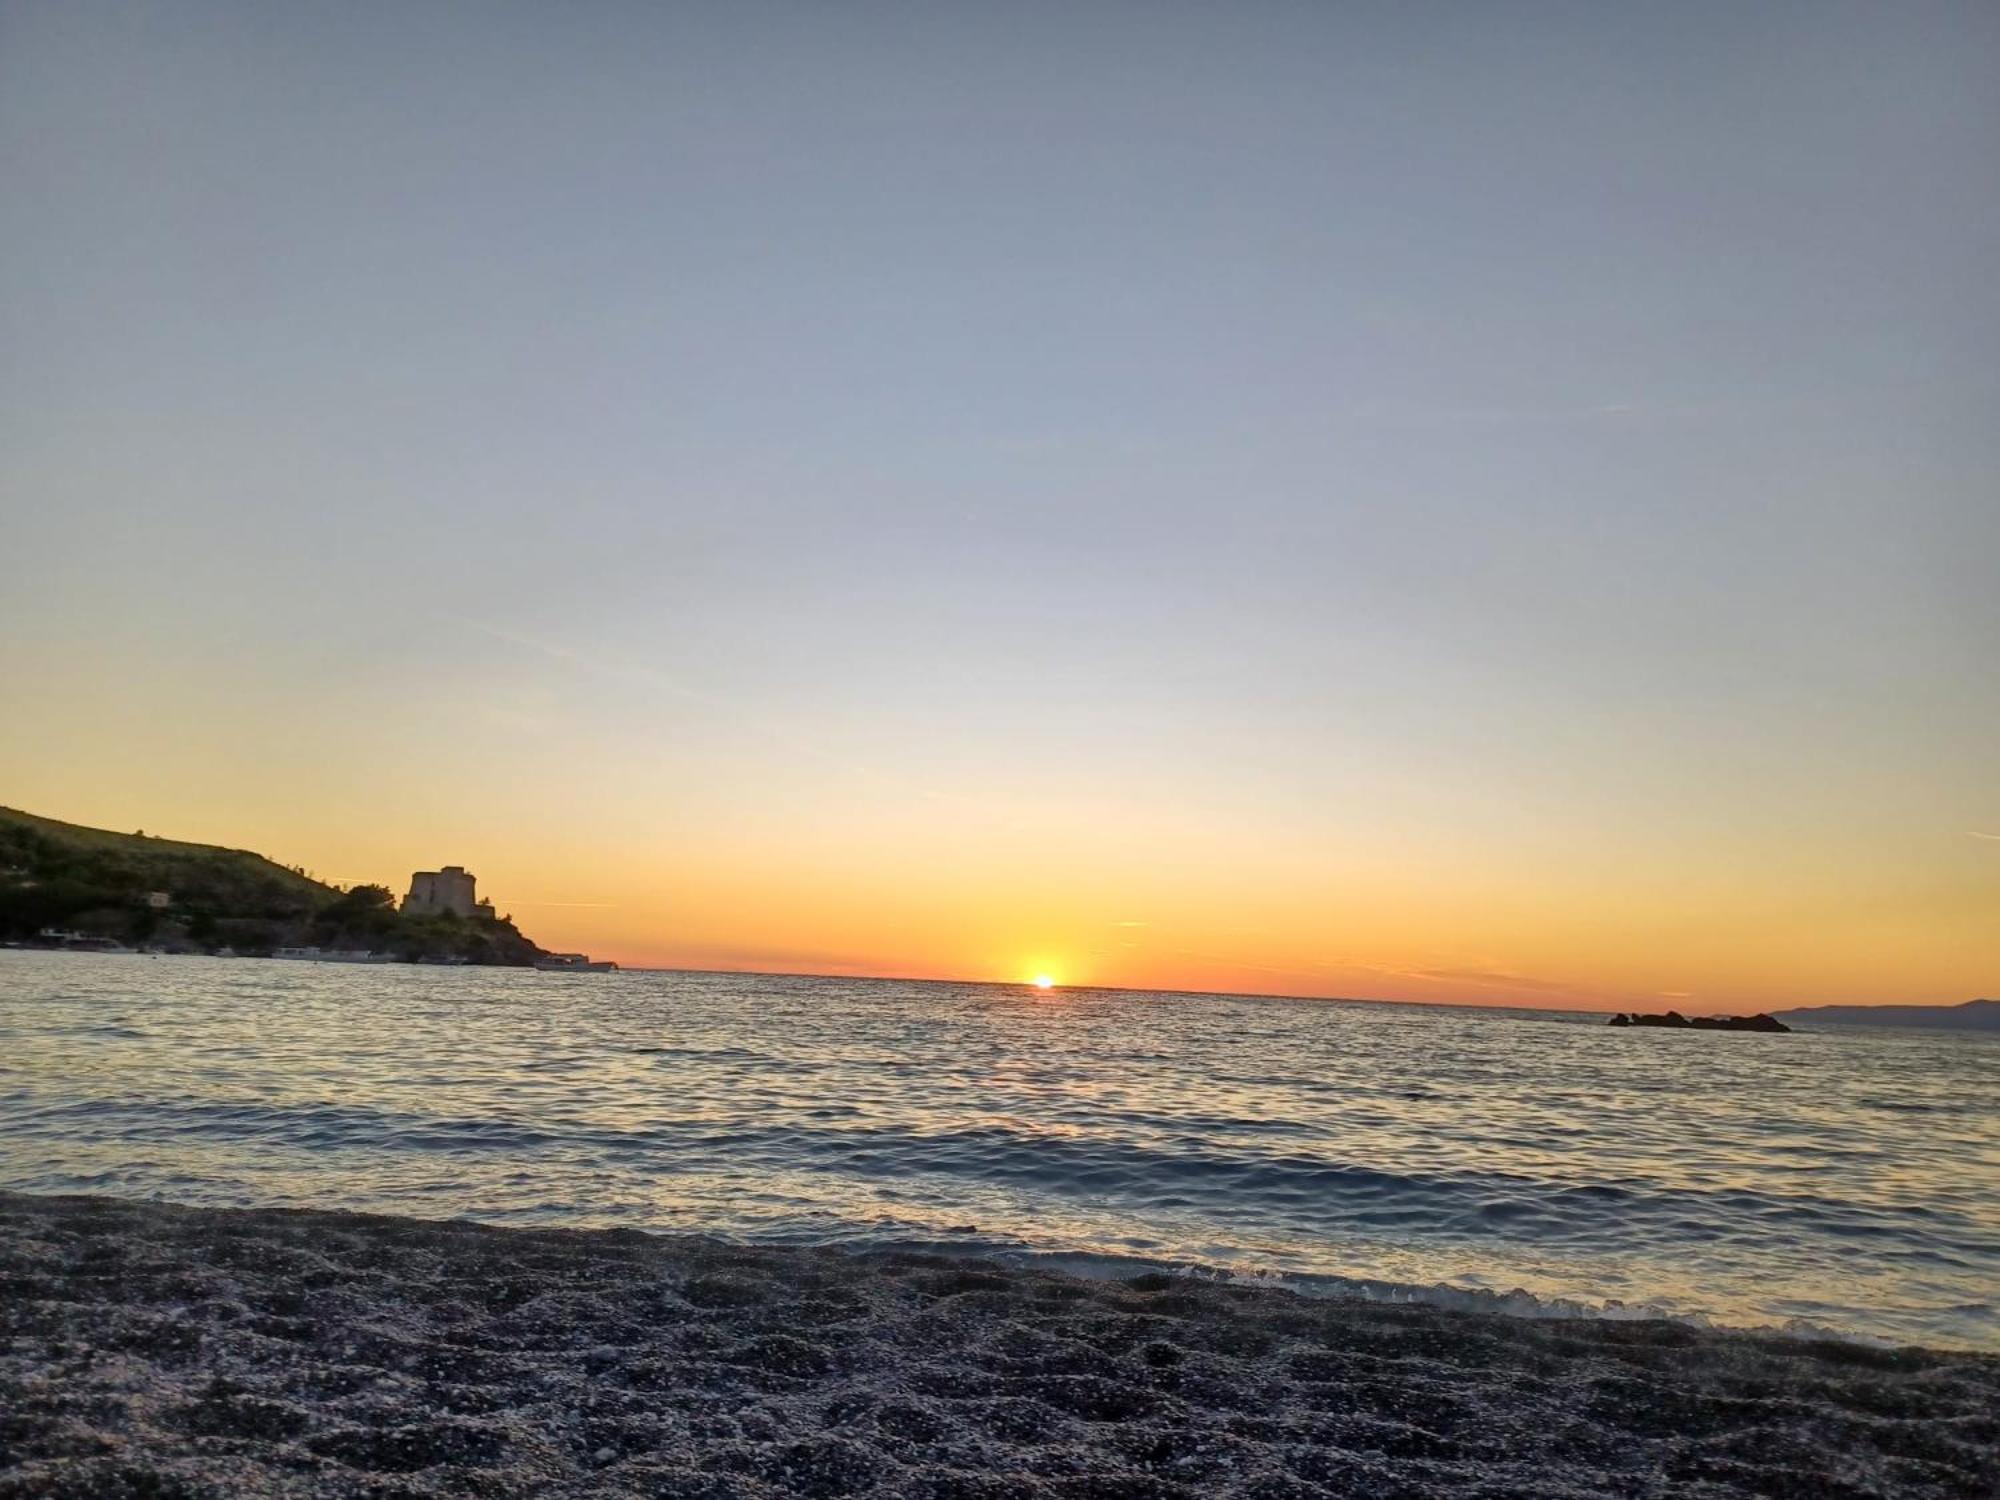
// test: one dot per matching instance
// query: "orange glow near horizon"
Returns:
(1376, 924)
(1160, 536)
(767, 867)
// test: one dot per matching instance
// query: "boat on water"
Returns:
(574, 963)
(79, 942)
(334, 955)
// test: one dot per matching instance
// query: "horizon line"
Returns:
(1123, 989)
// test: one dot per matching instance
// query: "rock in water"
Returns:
(1674, 1020)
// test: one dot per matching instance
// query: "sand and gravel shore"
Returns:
(160, 1351)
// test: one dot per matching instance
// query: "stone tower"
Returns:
(433, 891)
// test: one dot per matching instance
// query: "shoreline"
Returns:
(166, 1350)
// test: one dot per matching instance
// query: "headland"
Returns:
(65, 885)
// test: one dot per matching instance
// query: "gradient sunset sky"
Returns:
(1487, 503)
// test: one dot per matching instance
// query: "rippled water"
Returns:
(1850, 1179)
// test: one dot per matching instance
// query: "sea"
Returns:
(1844, 1180)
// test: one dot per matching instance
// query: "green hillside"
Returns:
(79, 871)
(136, 889)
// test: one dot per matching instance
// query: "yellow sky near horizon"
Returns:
(1203, 908)
(1327, 501)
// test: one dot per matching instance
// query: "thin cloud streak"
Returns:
(1493, 979)
(596, 666)
(630, 674)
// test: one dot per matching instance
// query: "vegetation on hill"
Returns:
(132, 888)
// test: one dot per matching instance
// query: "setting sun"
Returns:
(1286, 511)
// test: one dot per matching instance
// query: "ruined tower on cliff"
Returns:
(434, 891)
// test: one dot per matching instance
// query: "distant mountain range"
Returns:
(1973, 1015)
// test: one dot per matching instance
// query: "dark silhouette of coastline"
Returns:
(1973, 1015)
(67, 886)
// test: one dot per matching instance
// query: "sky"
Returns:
(1465, 503)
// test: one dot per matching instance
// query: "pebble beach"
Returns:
(165, 1351)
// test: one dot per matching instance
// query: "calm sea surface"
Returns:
(1849, 1179)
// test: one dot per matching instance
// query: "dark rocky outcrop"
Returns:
(1673, 1020)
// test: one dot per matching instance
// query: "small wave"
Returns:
(1518, 1302)
(1463, 1148)
(1213, 1178)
